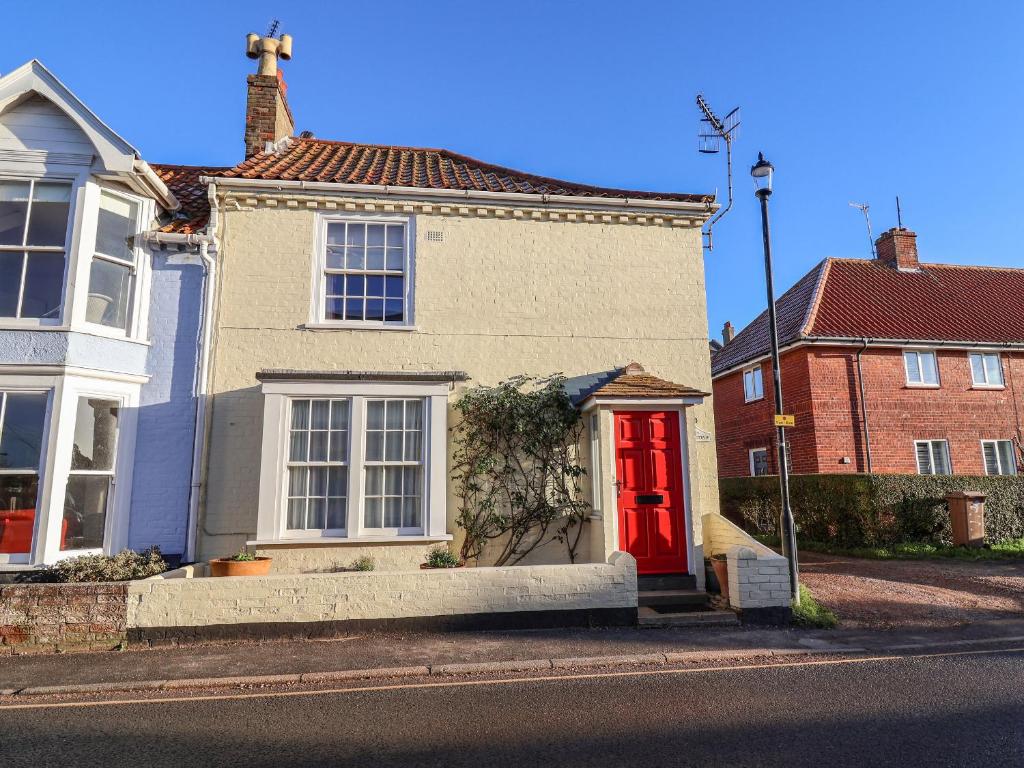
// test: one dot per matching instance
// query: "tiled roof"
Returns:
(183, 181)
(856, 299)
(632, 381)
(348, 163)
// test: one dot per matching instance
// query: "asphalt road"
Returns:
(961, 710)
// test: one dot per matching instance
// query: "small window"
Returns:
(92, 474)
(112, 275)
(366, 274)
(933, 457)
(753, 384)
(33, 228)
(999, 457)
(986, 369)
(759, 462)
(922, 368)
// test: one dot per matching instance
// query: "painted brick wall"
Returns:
(821, 388)
(500, 295)
(163, 450)
(758, 576)
(40, 618)
(201, 602)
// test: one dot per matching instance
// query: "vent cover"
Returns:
(435, 236)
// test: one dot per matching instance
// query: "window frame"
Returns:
(75, 182)
(931, 456)
(422, 463)
(751, 370)
(317, 315)
(596, 474)
(918, 352)
(272, 511)
(1013, 457)
(41, 473)
(750, 460)
(975, 384)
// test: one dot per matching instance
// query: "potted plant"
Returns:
(242, 563)
(441, 557)
(721, 565)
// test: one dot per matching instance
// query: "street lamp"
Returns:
(762, 172)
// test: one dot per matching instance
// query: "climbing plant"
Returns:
(516, 466)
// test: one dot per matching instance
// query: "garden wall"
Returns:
(873, 510)
(42, 618)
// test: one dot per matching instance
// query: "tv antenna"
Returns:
(867, 218)
(712, 132)
(274, 26)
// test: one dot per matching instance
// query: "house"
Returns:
(99, 328)
(361, 288)
(889, 365)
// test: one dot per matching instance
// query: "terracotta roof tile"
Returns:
(183, 181)
(350, 163)
(857, 298)
(634, 382)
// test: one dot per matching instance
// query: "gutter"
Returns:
(702, 208)
(156, 185)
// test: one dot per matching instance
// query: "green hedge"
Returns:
(872, 510)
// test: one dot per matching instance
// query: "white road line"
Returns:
(504, 681)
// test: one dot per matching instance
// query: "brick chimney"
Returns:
(728, 332)
(897, 247)
(267, 116)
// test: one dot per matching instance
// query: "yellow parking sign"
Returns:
(786, 420)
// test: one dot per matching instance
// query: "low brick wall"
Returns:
(537, 595)
(758, 575)
(46, 618)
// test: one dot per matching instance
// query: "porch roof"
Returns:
(630, 382)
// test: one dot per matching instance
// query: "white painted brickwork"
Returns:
(758, 576)
(184, 602)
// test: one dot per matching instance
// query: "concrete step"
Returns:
(648, 617)
(666, 581)
(680, 597)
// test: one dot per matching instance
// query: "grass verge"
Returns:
(812, 614)
(1005, 550)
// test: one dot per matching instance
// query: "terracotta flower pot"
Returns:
(225, 566)
(722, 574)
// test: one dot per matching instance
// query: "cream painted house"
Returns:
(361, 288)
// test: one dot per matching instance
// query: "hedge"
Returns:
(873, 510)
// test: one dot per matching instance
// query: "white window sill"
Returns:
(911, 385)
(326, 325)
(333, 541)
(754, 399)
(996, 387)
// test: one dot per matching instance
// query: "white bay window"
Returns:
(114, 263)
(352, 459)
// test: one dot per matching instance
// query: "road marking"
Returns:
(502, 681)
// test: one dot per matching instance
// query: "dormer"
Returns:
(75, 199)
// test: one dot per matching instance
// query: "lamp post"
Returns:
(762, 172)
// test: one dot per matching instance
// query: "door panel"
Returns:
(652, 518)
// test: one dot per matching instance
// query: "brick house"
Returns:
(890, 365)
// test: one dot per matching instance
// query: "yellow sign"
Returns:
(785, 421)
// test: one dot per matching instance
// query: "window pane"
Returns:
(375, 258)
(374, 481)
(374, 309)
(991, 458)
(13, 211)
(393, 446)
(115, 228)
(335, 258)
(929, 370)
(110, 290)
(339, 414)
(85, 511)
(396, 236)
(21, 433)
(411, 513)
(17, 512)
(48, 221)
(372, 518)
(337, 513)
(392, 512)
(393, 287)
(321, 414)
(336, 233)
(298, 481)
(758, 383)
(44, 277)
(300, 414)
(393, 310)
(993, 371)
(95, 434)
(296, 514)
(1007, 460)
(11, 265)
(913, 367)
(375, 234)
(977, 369)
(317, 481)
(375, 414)
(335, 285)
(394, 260)
(924, 459)
(353, 309)
(940, 457)
(316, 514)
(356, 234)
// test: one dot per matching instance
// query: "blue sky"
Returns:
(855, 101)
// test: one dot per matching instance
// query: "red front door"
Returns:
(652, 519)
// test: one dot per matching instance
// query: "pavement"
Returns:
(912, 710)
(387, 655)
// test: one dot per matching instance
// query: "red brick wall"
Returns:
(42, 618)
(821, 388)
(740, 426)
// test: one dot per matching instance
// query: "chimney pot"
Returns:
(897, 247)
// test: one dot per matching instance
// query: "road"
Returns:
(940, 710)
